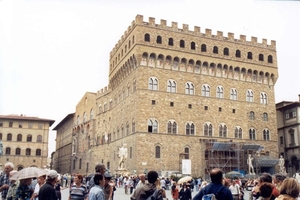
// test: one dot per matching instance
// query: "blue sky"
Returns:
(53, 51)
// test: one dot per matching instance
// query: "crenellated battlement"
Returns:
(139, 20)
(102, 91)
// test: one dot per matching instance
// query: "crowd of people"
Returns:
(101, 186)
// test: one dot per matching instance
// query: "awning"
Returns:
(266, 161)
(221, 146)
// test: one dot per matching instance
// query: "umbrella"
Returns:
(184, 179)
(29, 172)
(233, 173)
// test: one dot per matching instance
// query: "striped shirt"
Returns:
(78, 193)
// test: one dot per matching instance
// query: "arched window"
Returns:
(28, 152)
(186, 153)
(265, 117)
(84, 117)
(147, 38)
(133, 127)
(127, 129)
(172, 127)
(215, 50)
(208, 129)
(249, 96)
(158, 39)
(152, 126)
(134, 86)
(220, 92)
(252, 115)
(19, 137)
(18, 151)
(7, 151)
(233, 94)
(170, 42)
(193, 45)
(38, 152)
(252, 134)
(153, 83)
(1, 136)
(222, 130)
(238, 53)
(205, 90)
(190, 129)
(78, 118)
(29, 138)
(261, 57)
(203, 47)
(157, 151)
(189, 88)
(249, 55)
(130, 152)
(39, 138)
(263, 98)
(171, 86)
(226, 51)
(270, 59)
(266, 134)
(9, 137)
(92, 113)
(182, 43)
(238, 133)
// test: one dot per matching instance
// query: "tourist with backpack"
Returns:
(149, 190)
(215, 189)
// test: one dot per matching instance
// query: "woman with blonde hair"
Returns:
(289, 189)
(158, 186)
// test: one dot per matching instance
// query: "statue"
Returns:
(250, 164)
(281, 165)
(123, 156)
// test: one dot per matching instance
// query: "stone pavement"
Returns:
(120, 194)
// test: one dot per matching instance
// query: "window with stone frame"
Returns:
(157, 152)
(266, 134)
(208, 129)
(171, 86)
(152, 126)
(190, 128)
(233, 94)
(172, 127)
(252, 135)
(153, 83)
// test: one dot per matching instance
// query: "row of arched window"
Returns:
(207, 130)
(190, 129)
(122, 53)
(84, 117)
(203, 48)
(206, 90)
(205, 68)
(18, 152)
(29, 138)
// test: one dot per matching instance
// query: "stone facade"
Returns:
(25, 140)
(64, 137)
(288, 120)
(167, 84)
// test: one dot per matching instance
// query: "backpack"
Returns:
(212, 196)
(153, 196)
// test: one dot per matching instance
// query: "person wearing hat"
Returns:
(47, 191)
(107, 188)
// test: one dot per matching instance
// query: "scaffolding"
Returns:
(228, 156)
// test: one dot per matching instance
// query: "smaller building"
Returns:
(63, 153)
(288, 125)
(24, 140)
